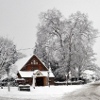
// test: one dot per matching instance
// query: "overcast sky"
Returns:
(19, 18)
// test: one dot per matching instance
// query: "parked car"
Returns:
(5, 81)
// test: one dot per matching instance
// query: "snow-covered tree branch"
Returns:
(65, 42)
(8, 55)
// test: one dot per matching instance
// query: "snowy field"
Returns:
(71, 92)
(39, 93)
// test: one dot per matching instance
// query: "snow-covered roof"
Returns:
(45, 73)
(19, 79)
(21, 62)
(28, 74)
(89, 72)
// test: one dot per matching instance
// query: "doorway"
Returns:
(39, 81)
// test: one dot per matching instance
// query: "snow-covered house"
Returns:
(89, 75)
(32, 69)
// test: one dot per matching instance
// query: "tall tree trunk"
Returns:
(8, 83)
(69, 62)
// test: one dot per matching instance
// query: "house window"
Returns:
(34, 62)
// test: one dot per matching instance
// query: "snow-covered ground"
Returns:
(71, 92)
(39, 93)
(88, 92)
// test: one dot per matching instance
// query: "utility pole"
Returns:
(48, 75)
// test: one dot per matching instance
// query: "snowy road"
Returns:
(87, 92)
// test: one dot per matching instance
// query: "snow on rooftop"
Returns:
(21, 62)
(26, 74)
(30, 73)
(46, 74)
(89, 72)
(19, 79)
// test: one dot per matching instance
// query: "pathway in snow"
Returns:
(87, 92)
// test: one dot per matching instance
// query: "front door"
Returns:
(39, 81)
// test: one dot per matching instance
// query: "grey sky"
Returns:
(19, 18)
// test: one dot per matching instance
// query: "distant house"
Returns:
(90, 75)
(31, 67)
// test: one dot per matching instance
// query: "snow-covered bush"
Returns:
(8, 55)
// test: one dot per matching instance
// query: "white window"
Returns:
(35, 62)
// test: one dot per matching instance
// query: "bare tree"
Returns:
(51, 30)
(80, 39)
(67, 42)
(8, 55)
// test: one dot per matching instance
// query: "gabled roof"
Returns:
(21, 62)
